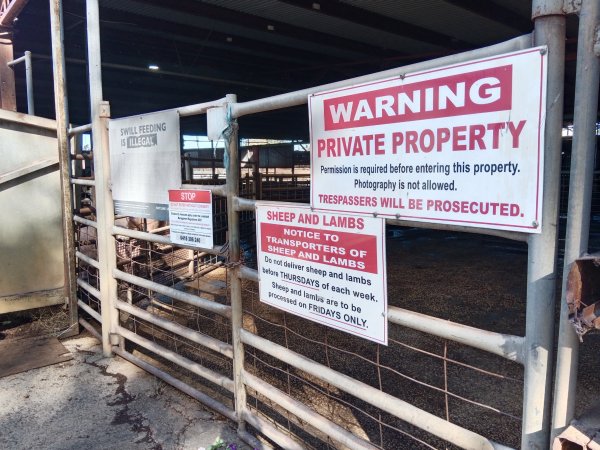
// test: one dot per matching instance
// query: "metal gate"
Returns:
(297, 385)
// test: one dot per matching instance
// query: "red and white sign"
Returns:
(329, 268)
(191, 218)
(461, 144)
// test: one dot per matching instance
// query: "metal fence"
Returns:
(193, 318)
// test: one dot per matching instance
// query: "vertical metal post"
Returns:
(100, 112)
(29, 83)
(580, 198)
(541, 267)
(233, 226)
(187, 165)
(64, 153)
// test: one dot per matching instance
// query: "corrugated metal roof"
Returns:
(317, 21)
(144, 9)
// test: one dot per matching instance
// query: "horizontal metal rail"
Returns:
(95, 314)
(80, 129)
(88, 326)
(167, 378)
(86, 259)
(512, 235)
(82, 182)
(306, 414)
(16, 61)
(158, 239)
(301, 97)
(505, 345)
(190, 299)
(194, 336)
(198, 108)
(386, 402)
(178, 384)
(176, 358)
(88, 288)
(81, 220)
(246, 273)
(217, 189)
(245, 204)
(272, 432)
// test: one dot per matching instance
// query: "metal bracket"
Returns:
(115, 339)
(104, 110)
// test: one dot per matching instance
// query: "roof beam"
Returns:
(273, 31)
(360, 16)
(9, 10)
(495, 13)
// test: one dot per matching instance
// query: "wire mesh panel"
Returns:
(465, 386)
(286, 187)
(188, 271)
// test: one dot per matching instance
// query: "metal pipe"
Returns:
(26, 58)
(64, 155)
(580, 199)
(176, 358)
(301, 97)
(217, 189)
(29, 83)
(89, 223)
(541, 265)
(81, 182)
(88, 326)
(194, 336)
(388, 403)
(177, 384)
(190, 299)
(99, 113)
(246, 273)
(512, 235)
(86, 259)
(235, 285)
(90, 311)
(159, 239)
(16, 61)
(80, 130)
(253, 442)
(306, 414)
(88, 288)
(281, 439)
(505, 345)
(244, 204)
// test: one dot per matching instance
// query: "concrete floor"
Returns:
(93, 402)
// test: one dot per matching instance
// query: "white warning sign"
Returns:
(461, 144)
(145, 162)
(329, 268)
(191, 217)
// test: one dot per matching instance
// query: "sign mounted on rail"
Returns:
(145, 162)
(328, 268)
(191, 217)
(460, 145)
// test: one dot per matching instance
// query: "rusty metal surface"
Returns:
(583, 294)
